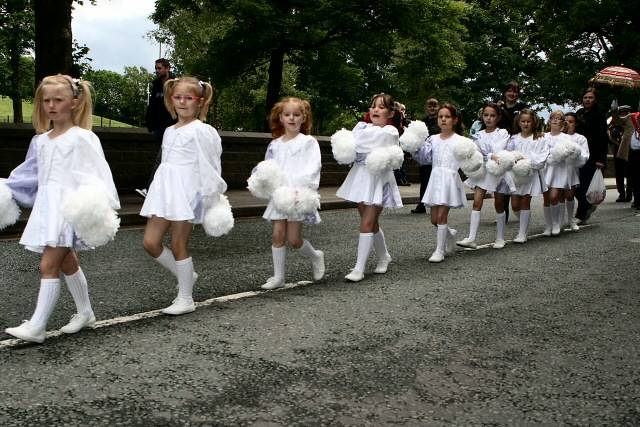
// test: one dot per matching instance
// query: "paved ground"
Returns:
(543, 333)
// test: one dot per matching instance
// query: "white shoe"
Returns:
(450, 246)
(273, 283)
(27, 332)
(180, 306)
(546, 232)
(318, 266)
(467, 243)
(437, 256)
(383, 265)
(498, 244)
(520, 239)
(555, 230)
(355, 276)
(78, 321)
(142, 192)
(574, 226)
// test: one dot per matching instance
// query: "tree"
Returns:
(16, 35)
(53, 38)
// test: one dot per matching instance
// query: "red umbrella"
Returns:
(617, 77)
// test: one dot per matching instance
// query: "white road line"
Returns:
(14, 342)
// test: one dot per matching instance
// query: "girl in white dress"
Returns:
(186, 184)
(558, 169)
(372, 192)
(570, 120)
(491, 141)
(445, 189)
(298, 155)
(64, 163)
(534, 151)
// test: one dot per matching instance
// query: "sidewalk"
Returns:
(245, 205)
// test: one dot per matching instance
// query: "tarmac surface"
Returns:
(544, 333)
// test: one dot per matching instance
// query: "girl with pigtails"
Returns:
(492, 143)
(373, 150)
(530, 153)
(289, 177)
(187, 187)
(570, 122)
(67, 182)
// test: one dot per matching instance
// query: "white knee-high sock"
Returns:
(555, 215)
(184, 270)
(500, 221)
(548, 222)
(307, 250)
(47, 299)
(380, 245)
(525, 216)
(474, 223)
(571, 205)
(443, 232)
(563, 214)
(279, 255)
(365, 243)
(77, 285)
(167, 260)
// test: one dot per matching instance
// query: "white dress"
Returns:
(360, 186)
(490, 143)
(445, 187)
(189, 175)
(557, 174)
(53, 169)
(300, 162)
(536, 151)
(575, 165)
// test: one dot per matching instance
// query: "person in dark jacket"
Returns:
(592, 124)
(157, 117)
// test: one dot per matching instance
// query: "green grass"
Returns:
(6, 114)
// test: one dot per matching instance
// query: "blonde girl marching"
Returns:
(492, 142)
(445, 189)
(531, 152)
(187, 188)
(294, 156)
(370, 182)
(67, 180)
(570, 121)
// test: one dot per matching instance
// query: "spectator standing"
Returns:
(630, 149)
(431, 120)
(619, 131)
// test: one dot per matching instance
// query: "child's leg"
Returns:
(501, 219)
(556, 214)
(294, 237)
(278, 253)
(380, 247)
(180, 233)
(439, 217)
(153, 234)
(77, 285)
(368, 226)
(548, 221)
(571, 205)
(474, 220)
(524, 207)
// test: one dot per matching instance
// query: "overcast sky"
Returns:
(115, 32)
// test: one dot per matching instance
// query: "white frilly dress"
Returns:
(360, 186)
(53, 169)
(300, 162)
(559, 174)
(188, 179)
(445, 187)
(575, 165)
(536, 151)
(490, 143)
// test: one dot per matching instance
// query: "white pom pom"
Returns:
(9, 211)
(560, 151)
(264, 180)
(89, 213)
(343, 146)
(218, 219)
(379, 160)
(517, 155)
(573, 151)
(464, 149)
(284, 200)
(396, 157)
(414, 136)
(295, 202)
(522, 170)
(504, 163)
(307, 201)
(472, 164)
(477, 174)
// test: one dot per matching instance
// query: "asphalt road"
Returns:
(542, 333)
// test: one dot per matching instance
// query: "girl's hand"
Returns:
(600, 165)
(495, 158)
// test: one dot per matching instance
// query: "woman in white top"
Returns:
(527, 172)
(372, 191)
(187, 183)
(491, 141)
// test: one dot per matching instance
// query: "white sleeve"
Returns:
(23, 180)
(210, 151)
(310, 165)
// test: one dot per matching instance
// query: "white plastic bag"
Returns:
(596, 191)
